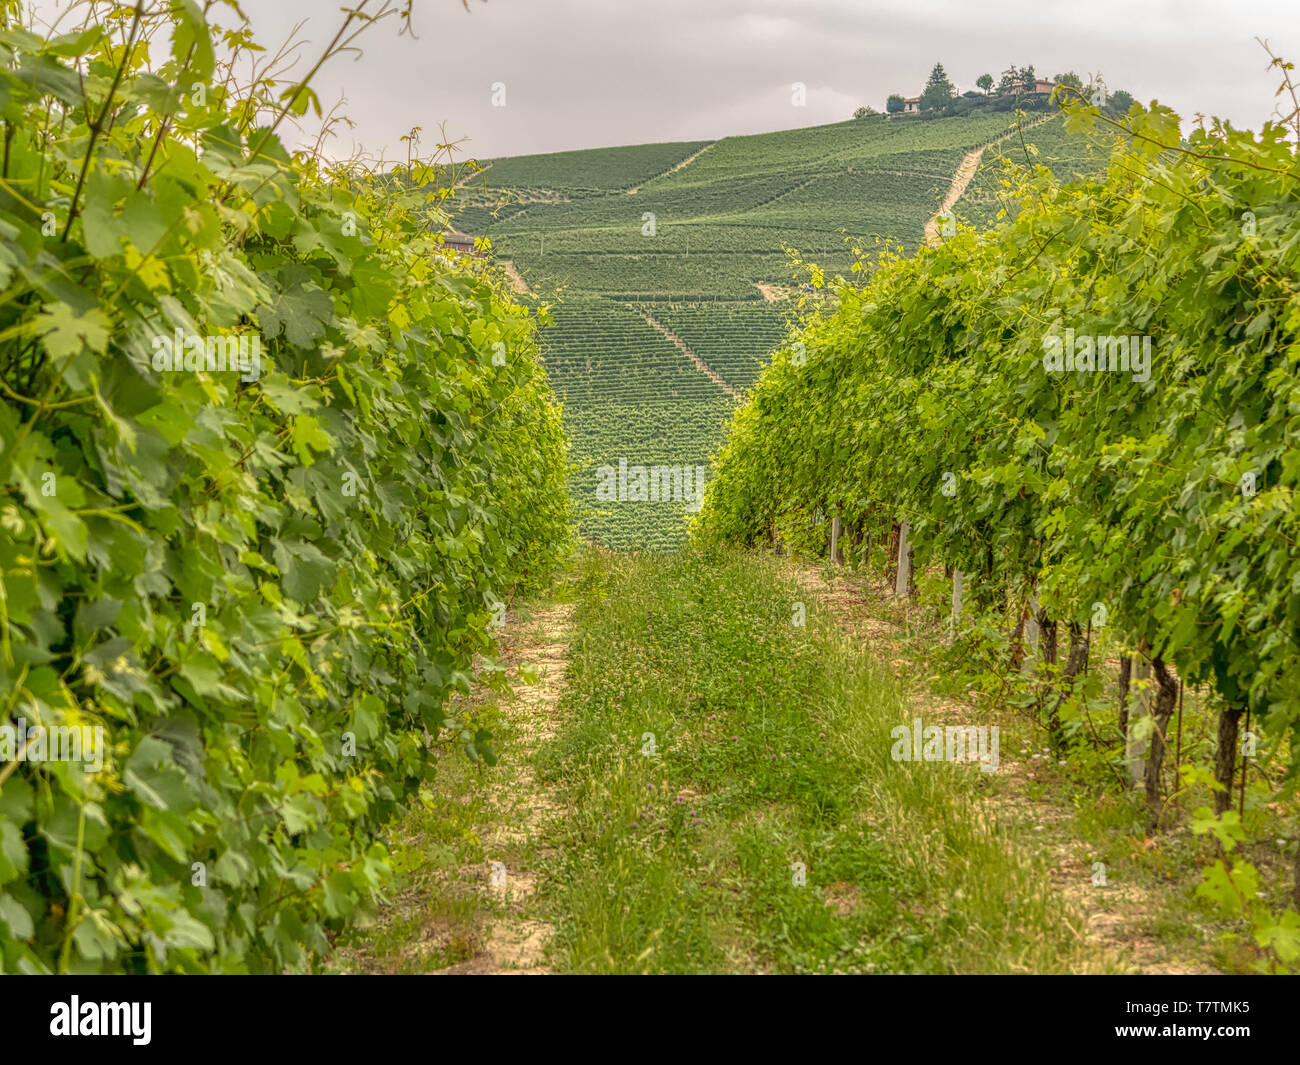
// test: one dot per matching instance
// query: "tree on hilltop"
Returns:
(1120, 102)
(938, 90)
(895, 104)
(1015, 80)
(985, 83)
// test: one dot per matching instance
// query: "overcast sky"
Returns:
(589, 73)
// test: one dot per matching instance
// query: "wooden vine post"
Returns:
(903, 583)
(1030, 661)
(956, 601)
(1139, 708)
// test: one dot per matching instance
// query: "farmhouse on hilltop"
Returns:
(1013, 87)
(460, 243)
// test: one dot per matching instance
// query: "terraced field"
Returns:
(733, 339)
(660, 261)
(630, 396)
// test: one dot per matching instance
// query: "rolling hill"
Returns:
(668, 270)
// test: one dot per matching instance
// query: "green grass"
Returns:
(436, 912)
(1085, 810)
(772, 748)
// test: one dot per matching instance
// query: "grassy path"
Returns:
(1142, 916)
(700, 779)
(521, 811)
(734, 806)
(468, 857)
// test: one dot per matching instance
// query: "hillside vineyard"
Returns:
(672, 269)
